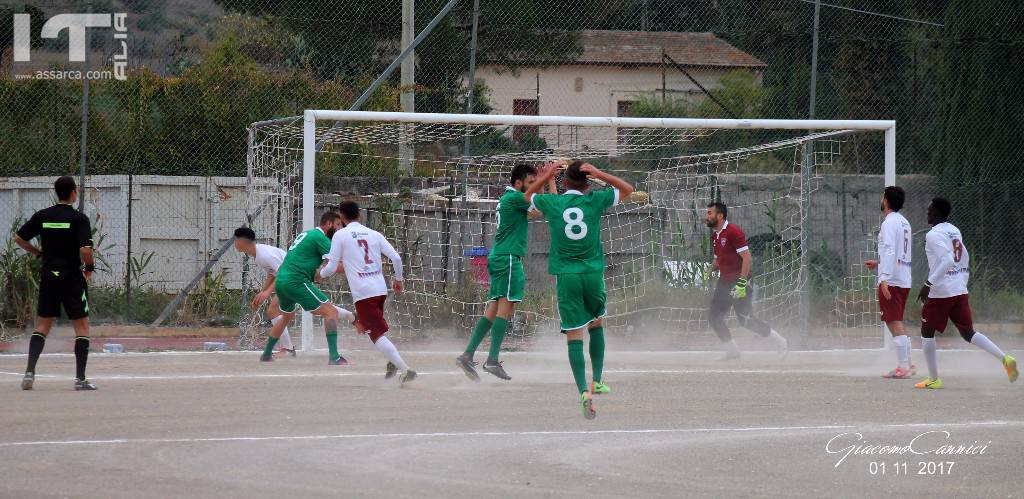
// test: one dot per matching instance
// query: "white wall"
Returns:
(603, 87)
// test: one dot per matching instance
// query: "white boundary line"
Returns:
(529, 433)
(171, 353)
(130, 377)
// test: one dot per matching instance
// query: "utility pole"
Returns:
(406, 153)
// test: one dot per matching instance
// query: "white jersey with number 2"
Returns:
(360, 248)
(948, 262)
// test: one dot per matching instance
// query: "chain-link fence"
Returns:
(166, 147)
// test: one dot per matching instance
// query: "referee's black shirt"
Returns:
(62, 231)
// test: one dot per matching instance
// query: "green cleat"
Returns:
(1010, 364)
(587, 404)
(929, 384)
(599, 388)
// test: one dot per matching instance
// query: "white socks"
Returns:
(982, 342)
(286, 339)
(928, 346)
(345, 315)
(388, 349)
(902, 346)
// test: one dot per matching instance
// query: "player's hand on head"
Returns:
(590, 169)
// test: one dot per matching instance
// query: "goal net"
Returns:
(430, 183)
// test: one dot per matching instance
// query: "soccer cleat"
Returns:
(898, 373)
(390, 371)
(1010, 364)
(929, 383)
(266, 357)
(465, 362)
(285, 352)
(337, 361)
(26, 382)
(598, 387)
(587, 405)
(406, 377)
(84, 384)
(496, 369)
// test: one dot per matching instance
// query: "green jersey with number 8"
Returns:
(574, 219)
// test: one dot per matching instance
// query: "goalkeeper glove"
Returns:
(740, 289)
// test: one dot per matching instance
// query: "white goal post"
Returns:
(375, 136)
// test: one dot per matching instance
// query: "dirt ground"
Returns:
(677, 424)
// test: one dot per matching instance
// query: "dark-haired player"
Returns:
(505, 268)
(268, 258)
(576, 259)
(893, 264)
(295, 287)
(357, 249)
(945, 294)
(735, 265)
(66, 238)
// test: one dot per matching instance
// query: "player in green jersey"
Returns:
(505, 267)
(295, 286)
(576, 260)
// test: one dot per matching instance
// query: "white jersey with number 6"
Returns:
(894, 247)
(360, 249)
(269, 258)
(948, 262)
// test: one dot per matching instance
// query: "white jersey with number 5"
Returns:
(948, 261)
(894, 247)
(269, 258)
(360, 248)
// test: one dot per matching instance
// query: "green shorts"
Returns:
(581, 299)
(508, 280)
(294, 294)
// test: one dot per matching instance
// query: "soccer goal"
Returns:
(804, 191)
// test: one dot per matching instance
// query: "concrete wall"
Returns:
(181, 221)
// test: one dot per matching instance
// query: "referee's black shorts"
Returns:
(63, 288)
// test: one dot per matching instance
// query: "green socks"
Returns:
(332, 344)
(578, 364)
(497, 336)
(269, 348)
(597, 351)
(482, 326)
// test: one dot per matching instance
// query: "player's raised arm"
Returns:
(624, 188)
(545, 174)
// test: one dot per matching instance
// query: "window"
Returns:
(524, 107)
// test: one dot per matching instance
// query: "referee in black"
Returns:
(66, 240)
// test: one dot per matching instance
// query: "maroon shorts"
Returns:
(892, 309)
(937, 311)
(370, 315)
